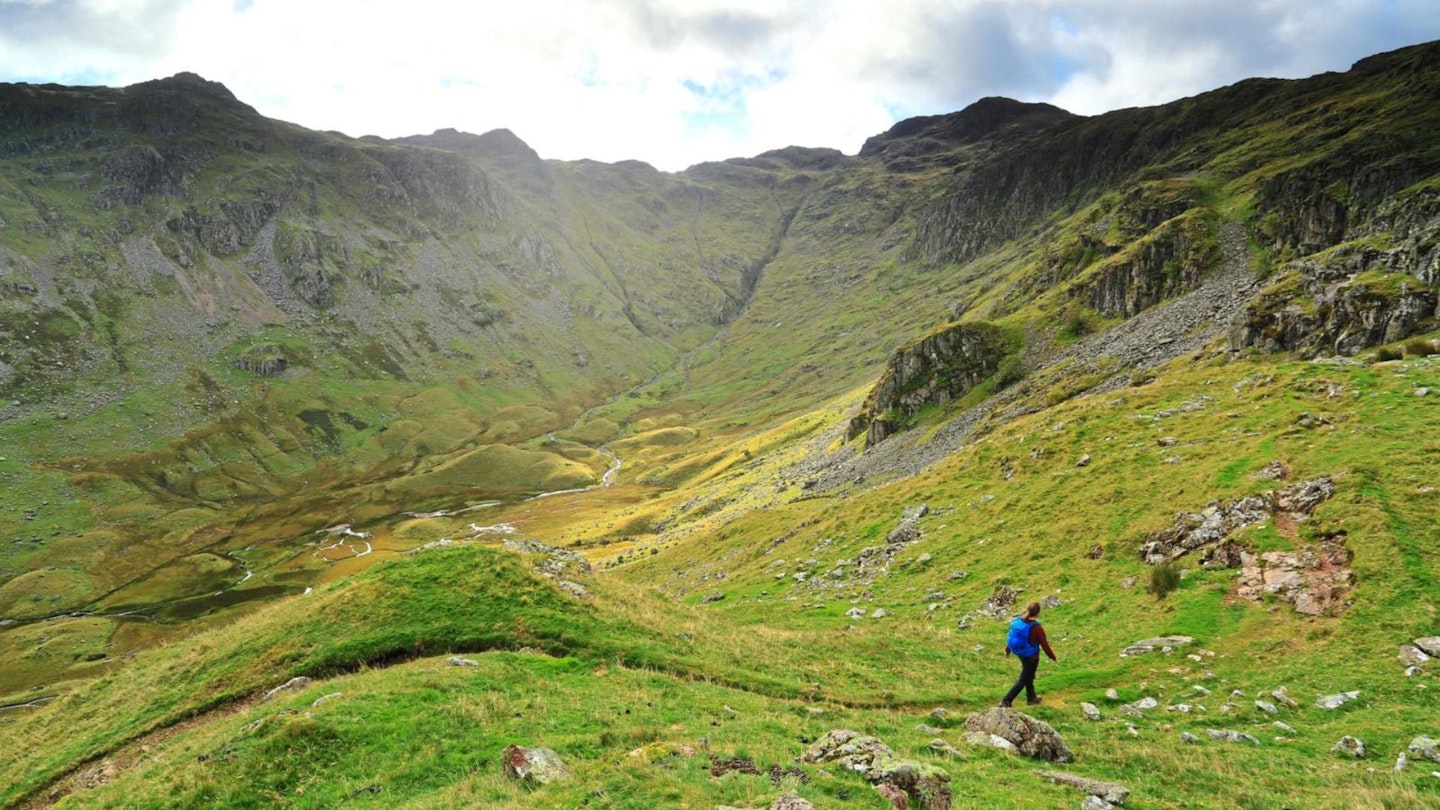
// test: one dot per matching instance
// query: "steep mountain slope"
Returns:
(854, 409)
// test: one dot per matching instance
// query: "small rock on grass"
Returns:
(1350, 746)
(1426, 746)
(533, 765)
(1090, 710)
(291, 685)
(457, 661)
(1228, 735)
(1335, 701)
(1096, 803)
(1111, 792)
(790, 801)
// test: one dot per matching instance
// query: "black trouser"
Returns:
(1026, 680)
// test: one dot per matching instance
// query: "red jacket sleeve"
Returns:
(1037, 636)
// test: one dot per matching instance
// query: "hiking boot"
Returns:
(1005, 704)
(1032, 701)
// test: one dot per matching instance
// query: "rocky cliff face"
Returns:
(932, 371)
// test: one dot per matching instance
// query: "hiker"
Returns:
(1026, 640)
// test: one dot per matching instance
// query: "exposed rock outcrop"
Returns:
(1197, 530)
(931, 371)
(927, 785)
(1165, 263)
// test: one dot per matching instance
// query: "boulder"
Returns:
(1228, 735)
(1096, 803)
(540, 765)
(790, 801)
(1109, 791)
(1284, 728)
(1430, 645)
(1264, 706)
(1187, 737)
(927, 785)
(1335, 701)
(1090, 710)
(294, 684)
(1282, 696)
(457, 661)
(1426, 746)
(1350, 746)
(1411, 656)
(1031, 737)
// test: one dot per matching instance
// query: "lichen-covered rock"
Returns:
(1426, 746)
(790, 801)
(539, 765)
(1031, 737)
(927, 785)
(1349, 746)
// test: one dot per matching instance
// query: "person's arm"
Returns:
(1037, 636)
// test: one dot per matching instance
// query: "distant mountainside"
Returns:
(241, 360)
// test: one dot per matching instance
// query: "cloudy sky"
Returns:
(675, 82)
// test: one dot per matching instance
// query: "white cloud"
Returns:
(679, 81)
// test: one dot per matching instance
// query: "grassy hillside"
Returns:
(248, 369)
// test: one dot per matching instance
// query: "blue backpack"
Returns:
(1019, 639)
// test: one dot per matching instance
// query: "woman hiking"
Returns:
(1026, 640)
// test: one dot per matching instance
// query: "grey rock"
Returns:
(1350, 746)
(930, 730)
(540, 765)
(1090, 710)
(1401, 762)
(1335, 701)
(1159, 643)
(879, 613)
(1145, 704)
(1112, 694)
(1264, 706)
(1412, 656)
(294, 684)
(325, 698)
(1187, 737)
(1096, 803)
(789, 801)
(1282, 696)
(1111, 792)
(1031, 737)
(1429, 644)
(1228, 735)
(1426, 746)
(1284, 727)
(1084, 461)
(457, 661)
